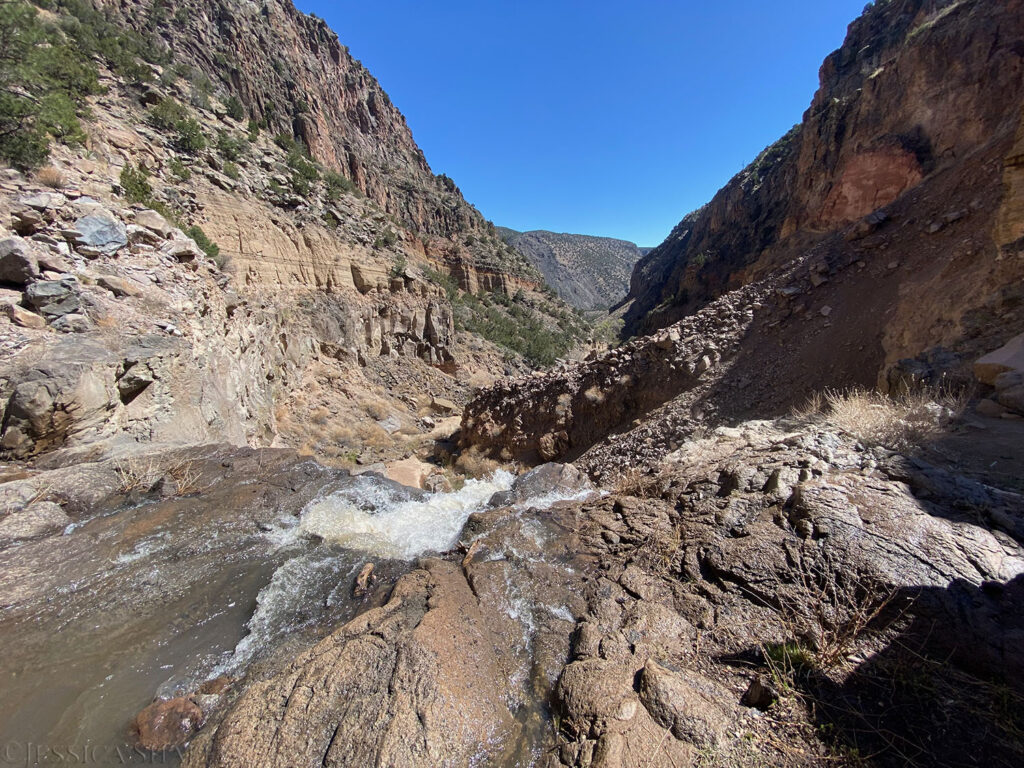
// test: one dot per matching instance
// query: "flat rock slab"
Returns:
(1009, 357)
(100, 232)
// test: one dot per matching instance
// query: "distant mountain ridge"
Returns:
(588, 272)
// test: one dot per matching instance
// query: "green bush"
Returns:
(399, 267)
(44, 81)
(337, 185)
(166, 114)
(208, 247)
(199, 99)
(512, 325)
(235, 109)
(386, 239)
(94, 34)
(300, 164)
(169, 115)
(286, 142)
(231, 148)
(179, 170)
(190, 137)
(231, 171)
(136, 186)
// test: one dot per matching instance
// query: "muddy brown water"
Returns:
(149, 597)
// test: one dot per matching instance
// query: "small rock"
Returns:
(363, 581)
(19, 264)
(119, 286)
(761, 694)
(826, 311)
(216, 687)
(168, 724)
(24, 318)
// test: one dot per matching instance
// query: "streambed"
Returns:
(150, 597)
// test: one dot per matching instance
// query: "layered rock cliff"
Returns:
(908, 148)
(277, 216)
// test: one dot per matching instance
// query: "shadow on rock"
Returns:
(946, 691)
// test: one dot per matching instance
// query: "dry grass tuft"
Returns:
(51, 177)
(901, 423)
(142, 473)
(375, 408)
(639, 483)
(472, 463)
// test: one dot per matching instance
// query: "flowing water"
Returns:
(154, 598)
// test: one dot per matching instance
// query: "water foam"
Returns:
(364, 517)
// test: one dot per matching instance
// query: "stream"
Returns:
(150, 599)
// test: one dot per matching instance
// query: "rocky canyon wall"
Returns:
(915, 117)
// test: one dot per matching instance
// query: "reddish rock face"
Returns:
(867, 182)
(168, 724)
(916, 114)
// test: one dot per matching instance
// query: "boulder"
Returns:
(562, 480)
(26, 221)
(684, 702)
(72, 323)
(1009, 357)
(35, 521)
(442, 406)
(182, 250)
(119, 286)
(18, 264)
(48, 260)
(54, 298)
(1009, 379)
(43, 201)
(167, 724)
(101, 233)
(418, 681)
(154, 222)
(1012, 398)
(990, 408)
(411, 472)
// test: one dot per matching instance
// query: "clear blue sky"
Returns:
(604, 117)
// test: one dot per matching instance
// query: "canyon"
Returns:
(303, 462)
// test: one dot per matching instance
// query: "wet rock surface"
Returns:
(647, 620)
(128, 579)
